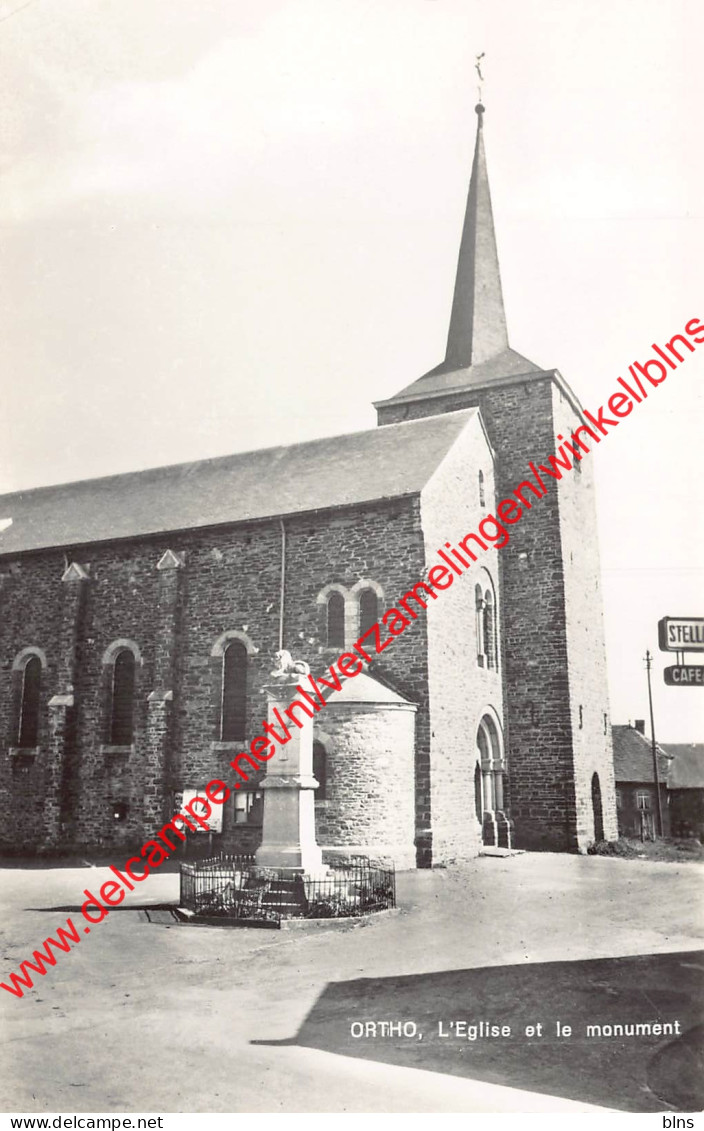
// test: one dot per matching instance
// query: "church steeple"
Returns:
(478, 321)
(478, 354)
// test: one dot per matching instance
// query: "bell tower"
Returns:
(558, 727)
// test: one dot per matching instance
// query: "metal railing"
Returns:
(232, 887)
(349, 889)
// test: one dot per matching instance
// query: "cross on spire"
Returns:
(478, 69)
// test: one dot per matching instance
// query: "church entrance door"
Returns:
(489, 784)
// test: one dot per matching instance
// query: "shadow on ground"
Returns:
(638, 1073)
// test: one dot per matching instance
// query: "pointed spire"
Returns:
(478, 321)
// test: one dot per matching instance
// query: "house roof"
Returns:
(687, 765)
(633, 756)
(360, 467)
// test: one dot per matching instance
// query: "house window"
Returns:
(122, 701)
(249, 807)
(619, 798)
(606, 723)
(336, 620)
(643, 799)
(581, 716)
(368, 610)
(233, 717)
(482, 494)
(28, 722)
(320, 770)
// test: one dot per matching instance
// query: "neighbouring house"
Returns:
(685, 788)
(636, 794)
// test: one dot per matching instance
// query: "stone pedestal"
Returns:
(288, 834)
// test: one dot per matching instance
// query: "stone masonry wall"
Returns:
(230, 582)
(25, 621)
(589, 696)
(370, 797)
(537, 663)
(384, 545)
(460, 690)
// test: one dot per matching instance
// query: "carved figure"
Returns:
(286, 666)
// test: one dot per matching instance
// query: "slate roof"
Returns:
(364, 688)
(383, 463)
(687, 766)
(449, 379)
(633, 758)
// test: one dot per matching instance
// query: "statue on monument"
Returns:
(287, 668)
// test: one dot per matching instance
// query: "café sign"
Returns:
(685, 675)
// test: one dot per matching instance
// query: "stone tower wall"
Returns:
(591, 726)
(547, 670)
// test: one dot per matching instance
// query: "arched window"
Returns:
(233, 717)
(368, 610)
(335, 620)
(122, 700)
(482, 495)
(320, 770)
(28, 722)
(479, 601)
(489, 630)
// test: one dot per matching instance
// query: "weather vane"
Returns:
(478, 69)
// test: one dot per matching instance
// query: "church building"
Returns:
(140, 615)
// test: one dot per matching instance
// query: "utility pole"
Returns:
(656, 776)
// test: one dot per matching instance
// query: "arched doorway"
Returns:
(489, 782)
(597, 808)
(478, 803)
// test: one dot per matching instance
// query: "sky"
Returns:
(234, 223)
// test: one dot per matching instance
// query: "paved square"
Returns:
(152, 1016)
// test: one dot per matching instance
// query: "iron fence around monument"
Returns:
(234, 888)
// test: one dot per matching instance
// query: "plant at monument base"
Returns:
(332, 906)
